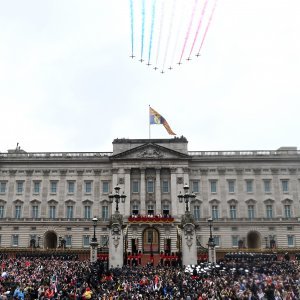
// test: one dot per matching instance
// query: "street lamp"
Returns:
(211, 243)
(186, 197)
(95, 220)
(117, 197)
(94, 244)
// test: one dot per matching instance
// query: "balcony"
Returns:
(150, 219)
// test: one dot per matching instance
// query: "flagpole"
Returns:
(149, 122)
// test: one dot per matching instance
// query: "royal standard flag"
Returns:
(156, 118)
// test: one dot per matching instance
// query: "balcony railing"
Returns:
(151, 219)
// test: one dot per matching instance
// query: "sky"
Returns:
(67, 83)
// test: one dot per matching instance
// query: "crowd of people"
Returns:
(68, 278)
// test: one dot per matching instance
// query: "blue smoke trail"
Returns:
(143, 28)
(131, 19)
(152, 27)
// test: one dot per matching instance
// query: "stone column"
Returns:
(127, 191)
(158, 192)
(116, 247)
(189, 243)
(143, 193)
(174, 200)
(114, 183)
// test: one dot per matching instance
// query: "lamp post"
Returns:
(211, 243)
(94, 243)
(95, 220)
(186, 197)
(117, 197)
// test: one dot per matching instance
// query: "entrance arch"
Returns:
(253, 240)
(151, 240)
(50, 240)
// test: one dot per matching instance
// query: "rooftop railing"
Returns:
(54, 155)
(245, 153)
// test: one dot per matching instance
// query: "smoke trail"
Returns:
(208, 24)
(143, 28)
(152, 27)
(178, 31)
(170, 32)
(131, 21)
(189, 30)
(160, 30)
(199, 26)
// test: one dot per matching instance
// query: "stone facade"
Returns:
(253, 196)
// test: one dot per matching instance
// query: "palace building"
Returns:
(252, 196)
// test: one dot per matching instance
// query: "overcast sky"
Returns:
(67, 82)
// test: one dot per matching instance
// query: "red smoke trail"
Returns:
(189, 30)
(208, 24)
(199, 26)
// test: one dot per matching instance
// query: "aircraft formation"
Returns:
(166, 33)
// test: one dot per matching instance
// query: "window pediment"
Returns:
(251, 201)
(52, 201)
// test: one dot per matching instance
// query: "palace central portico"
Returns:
(250, 197)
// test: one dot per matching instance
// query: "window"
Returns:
(1, 211)
(287, 211)
(150, 209)
(251, 214)
(87, 212)
(195, 186)
(18, 211)
(19, 187)
(2, 187)
(217, 240)
(104, 240)
(232, 209)
(88, 187)
(68, 241)
(267, 185)
(197, 212)
(69, 212)
(291, 240)
(150, 186)
(15, 240)
(52, 212)
(213, 186)
(269, 210)
(36, 187)
(71, 187)
(35, 211)
(135, 209)
(135, 186)
(105, 187)
(234, 240)
(166, 209)
(105, 215)
(86, 241)
(231, 186)
(150, 236)
(249, 186)
(53, 187)
(165, 186)
(215, 212)
(285, 186)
